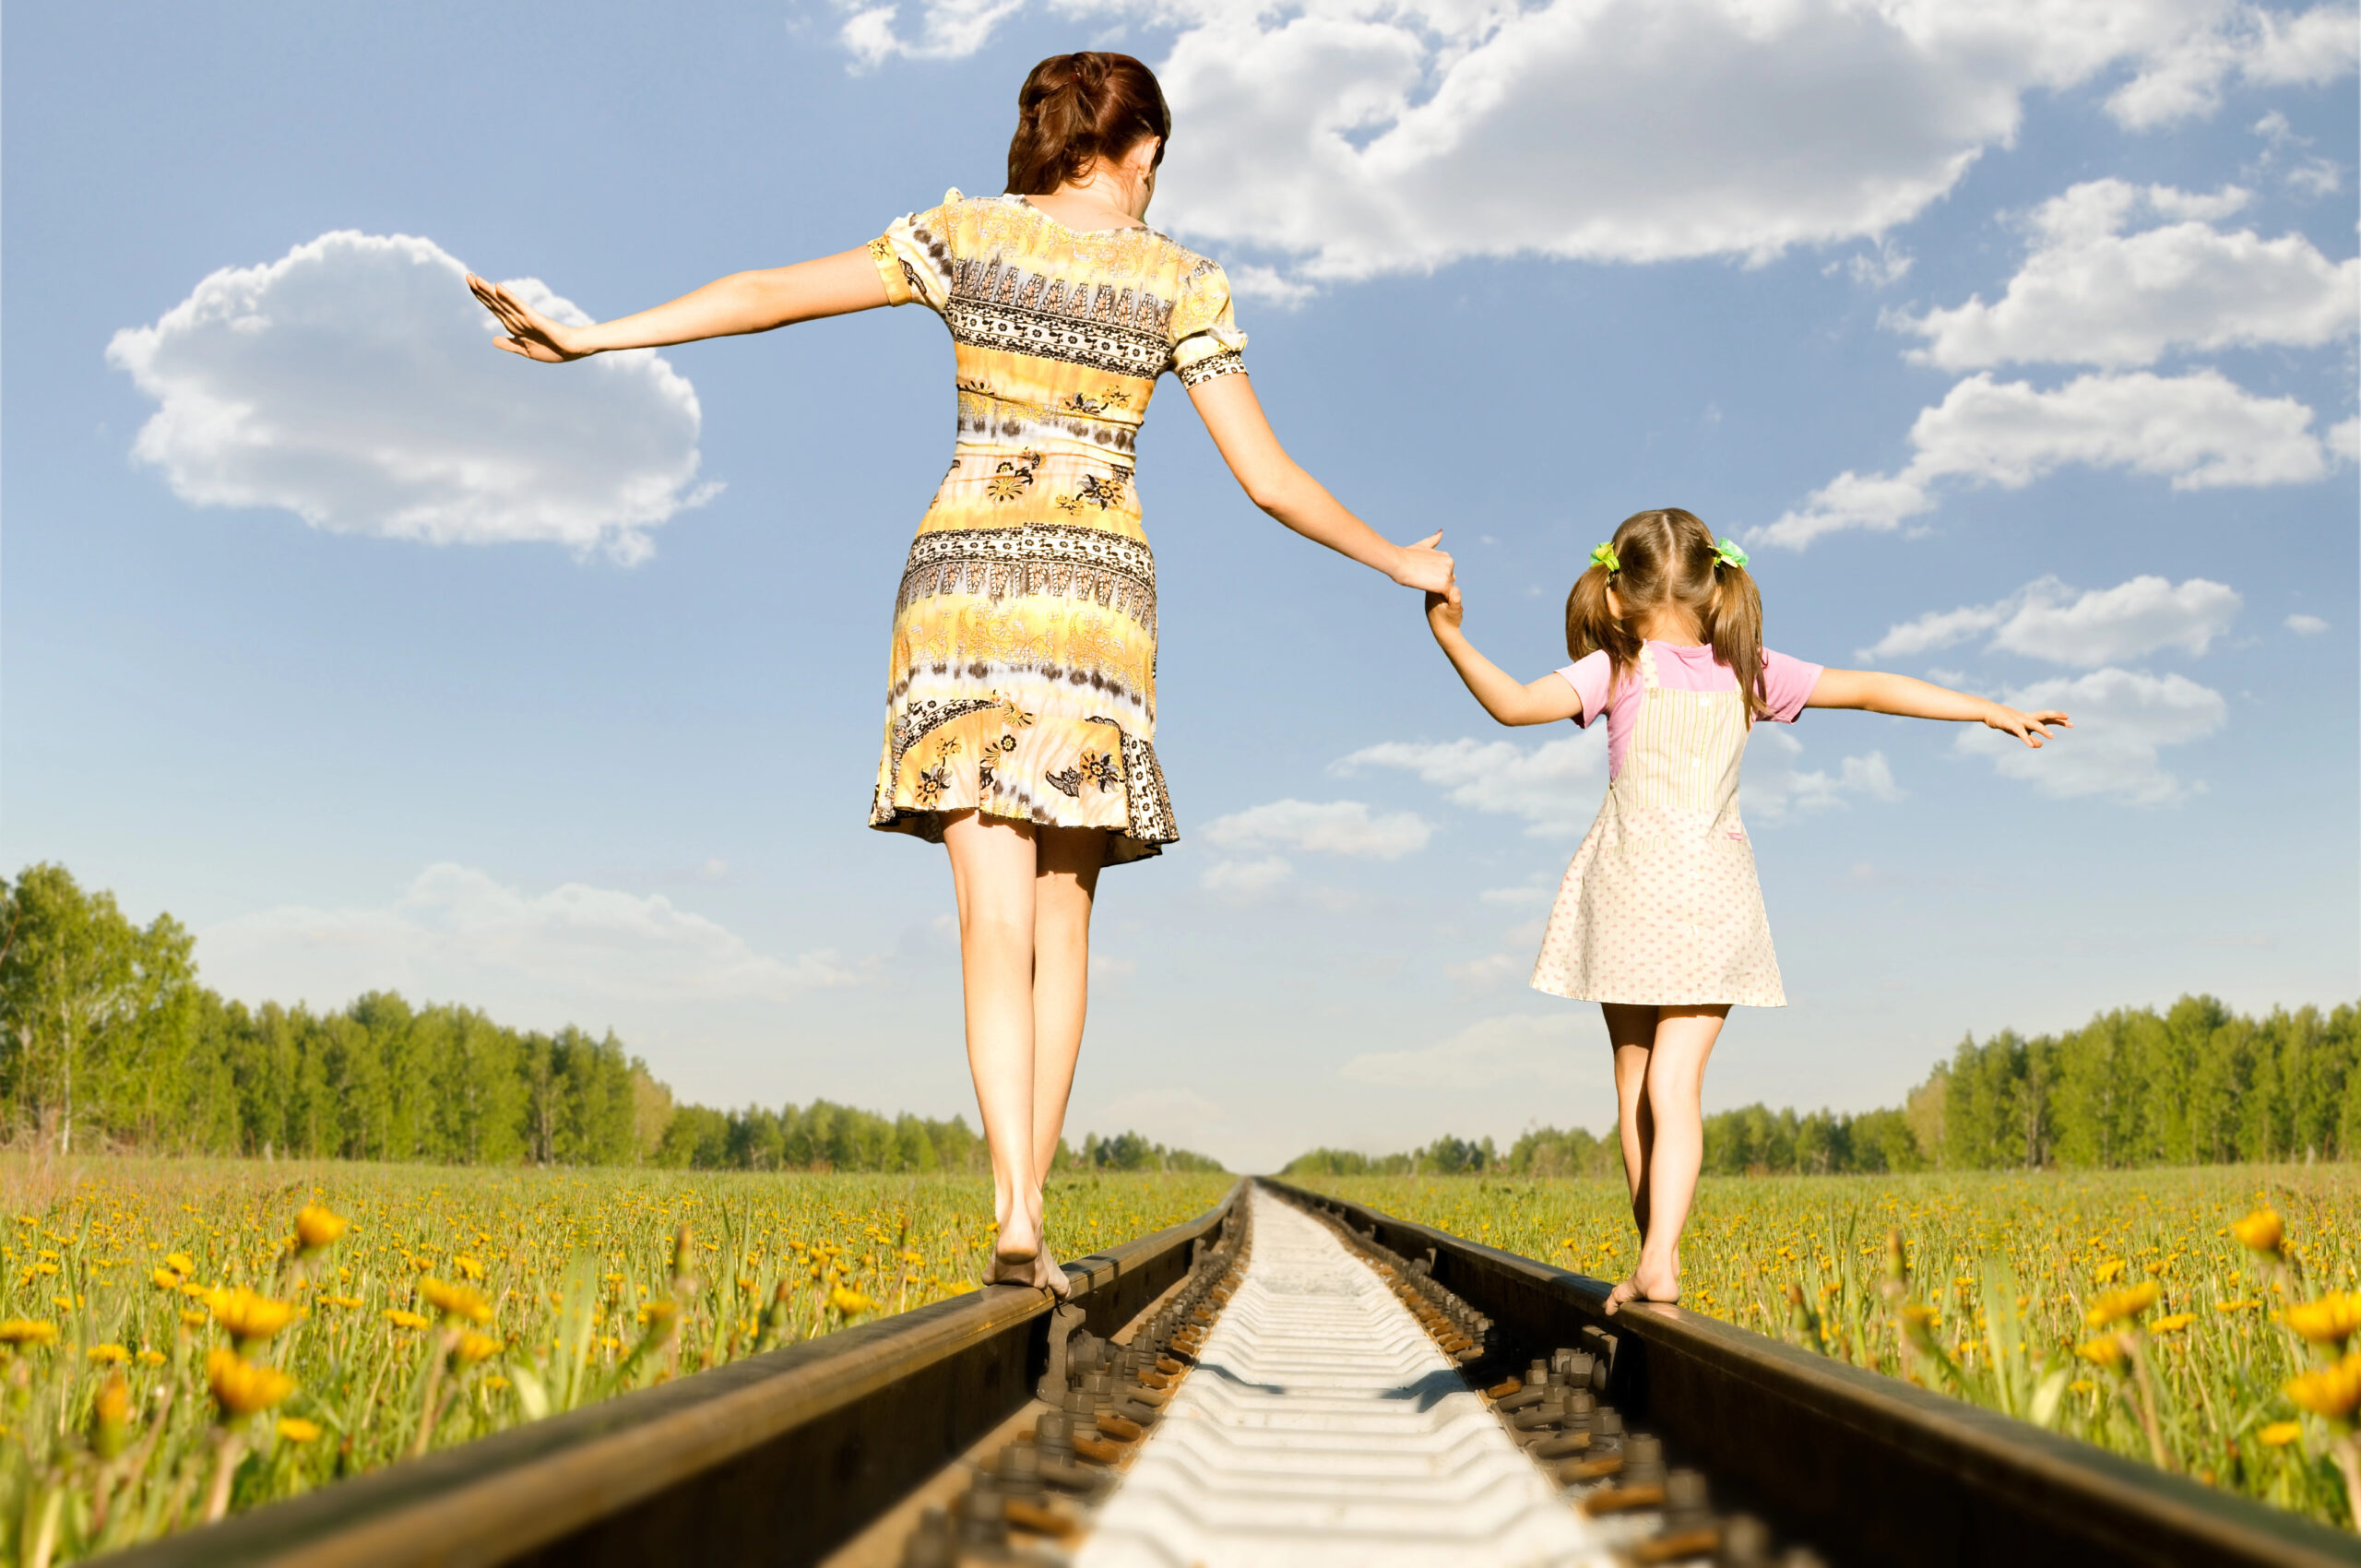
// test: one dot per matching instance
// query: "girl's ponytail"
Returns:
(1591, 625)
(1733, 624)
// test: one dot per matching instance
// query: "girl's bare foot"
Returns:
(1051, 1275)
(1649, 1282)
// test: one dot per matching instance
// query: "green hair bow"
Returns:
(1603, 555)
(1727, 554)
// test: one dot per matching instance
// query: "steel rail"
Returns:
(773, 1459)
(1870, 1469)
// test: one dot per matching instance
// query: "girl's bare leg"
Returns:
(1065, 880)
(993, 866)
(1632, 1029)
(1676, 1080)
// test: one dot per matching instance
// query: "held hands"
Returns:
(1424, 566)
(1443, 612)
(2030, 727)
(530, 332)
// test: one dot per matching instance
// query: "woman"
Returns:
(1021, 717)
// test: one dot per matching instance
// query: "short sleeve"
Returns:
(1206, 338)
(1786, 684)
(1590, 676)
(913, 256)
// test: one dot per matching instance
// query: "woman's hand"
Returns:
(1423, 565)
(1443, 612)
(530, 332)
(2030, 727)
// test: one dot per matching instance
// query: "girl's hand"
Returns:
(530, 332)
(2027, 726)
(1422, 565)
(1443, 612)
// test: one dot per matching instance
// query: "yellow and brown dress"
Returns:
(1023, 677)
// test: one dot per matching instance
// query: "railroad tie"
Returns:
(1323, 1424)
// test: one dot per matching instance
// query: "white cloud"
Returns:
(1553, 787)
(2047, 620)
(1772, 788)
(2122, 719)
(2344, 439)
(1488, 972)
(1363, 137)
(2200, 430)
(1534, 894)
(2089, 293)
(566, 954)
(354, 383)
(2307, 626)
(1329, 827)
(1534, 1050)
(1245, 882)
(2247, 41)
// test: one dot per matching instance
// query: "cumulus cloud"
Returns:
(1246, 882)
(1774, 788)
(1553, 786)
(2122, 719)
(2307, 626)
(2047, 620)
(1529, 1050)
(2200, 430)
(353, 382)
(1328, 828)
(565, 955)
(2089, 293)
(1360, 137)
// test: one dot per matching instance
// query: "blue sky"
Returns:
(2019, 346)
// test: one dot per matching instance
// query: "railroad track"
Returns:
(1283, 1380)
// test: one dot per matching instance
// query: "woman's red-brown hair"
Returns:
(1076, 109)
(1665, 556)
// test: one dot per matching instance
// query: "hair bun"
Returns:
(1076, 109)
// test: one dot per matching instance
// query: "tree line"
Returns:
(2194, 1084)
(107, 1039)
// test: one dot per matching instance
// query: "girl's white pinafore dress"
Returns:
(1661, 905)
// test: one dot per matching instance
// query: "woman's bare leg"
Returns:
(993, 866)
(1676, 1081)
(1067, 862)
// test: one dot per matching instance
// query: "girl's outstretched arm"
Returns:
(743, 301)
(1874, 690)
(1274, 481)
(1551, 698)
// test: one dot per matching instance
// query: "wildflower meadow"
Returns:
(2205, 1319)
(182, 1338)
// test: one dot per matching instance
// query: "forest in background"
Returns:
(107, 1039)
(2194, 1084)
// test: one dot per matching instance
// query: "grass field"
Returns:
(186, 1338)
(2029, 1293)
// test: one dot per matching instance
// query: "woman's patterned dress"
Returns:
(1023, 676)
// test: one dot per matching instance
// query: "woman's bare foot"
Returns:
(1649, 1282)
(1051, 1275)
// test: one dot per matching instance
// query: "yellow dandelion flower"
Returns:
(2173, 1324)
(241, 1387)
(401, 1319)
(181, 1264)
(2279, 1434)
(192, 1318)
(2083, 1385)
(473, 1347)
(26, 1331)
(106, 1355)
(2108, 1271)
(2127, 1302)
(151, 1358)
(849, 1302)
(110, 1418)
(2332, 1391)
(2331, 1320)
(316, 1227)
(346, 1302)
(165, 1279)
(468, 1267)
(2104, 1352)
(295, 1429)
(250, 1316)
(495, 1382)
(455, 1301)
(2260, 1231)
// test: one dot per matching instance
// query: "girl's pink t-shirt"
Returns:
(1786, 686)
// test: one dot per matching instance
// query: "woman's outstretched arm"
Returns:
(1874, 690)
(743, 301)
(1274, 481)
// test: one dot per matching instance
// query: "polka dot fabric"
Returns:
(1661, 905)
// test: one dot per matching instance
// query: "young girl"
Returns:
(1660, 919)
